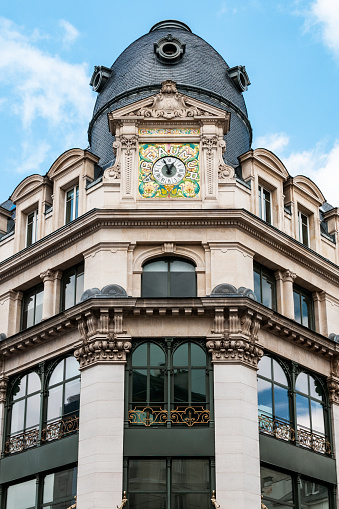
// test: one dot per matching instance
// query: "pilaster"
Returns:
(288, 278)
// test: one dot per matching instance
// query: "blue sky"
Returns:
(290, 49)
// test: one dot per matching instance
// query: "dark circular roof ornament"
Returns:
(169, 49)
(239, 77)
(99, 77)
(170, 24)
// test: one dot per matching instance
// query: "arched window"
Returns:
(189, 375)
(309, 404)
(63, 390)
(272, 389)
(25, 411)
(148, 375)
(168, 277)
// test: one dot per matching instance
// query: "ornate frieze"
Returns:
(333, 389)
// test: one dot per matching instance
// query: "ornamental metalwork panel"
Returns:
(302, 437)
(22, 441)
(60, 428)
(147, 416)
(190, 415)
(180, 180)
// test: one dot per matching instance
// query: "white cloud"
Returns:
(33, 155)
(325, 15)
(70, 32)
(320, 166)
(275, 142)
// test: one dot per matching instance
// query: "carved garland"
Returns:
(128, 144)
(209, 143)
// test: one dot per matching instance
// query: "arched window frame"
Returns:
(169, 260)
(278, 384)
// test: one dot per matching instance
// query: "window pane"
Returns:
(316, 390)
(181, 266)
(155, 284)
(306, 311)
(198, 383)
(21, 496)
(147, 500)
(279, 375)
(72, 367)
(158, 266)
(182, 284)
(257, 289)
(198, 356)
(265, 368)
(277, 487)
(281, 408)
(190, 500)
(33, 411)
(139, 386)
(267, 205)
(297, 310)
(60, 485)
(72, 396)
(147, 475)
(58, 374)
(28, 311)
(303, 412)
(180, 356)
(156, 385)
(69, 289)
(157, 355)
(317, 417)
(268, 288)
(79, 286)
(302, 383)
(38, 305)
(34, 383)
(139, 357)
(265, 397)
(313, 495)
(54, 403)
(18, 413)
(19, 389)
(190, 475)
(181, 386)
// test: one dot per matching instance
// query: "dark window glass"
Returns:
(59, 489)
(314, 495)
(72, 286)
(64, 390)
(32, 307)
(72, 200)
(176, 484)
(25, 405)
(168, 278)
(276, 488)
(272, 390)
(303, 307)
(303, 229)
(148, 375)
(189, 375)
(32, 228)
(264, 286)
(265, 204)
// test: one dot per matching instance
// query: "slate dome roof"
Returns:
(201, 73)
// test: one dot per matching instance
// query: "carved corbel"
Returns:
(225, 172)
(333, 390)
(3, 388)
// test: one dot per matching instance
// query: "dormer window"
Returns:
(265, 207)
(304, 231)
(32, 228)
(72, 201)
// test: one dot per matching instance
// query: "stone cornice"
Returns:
(101, 319)
(145, 218)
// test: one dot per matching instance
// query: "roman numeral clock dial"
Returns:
(169, 170)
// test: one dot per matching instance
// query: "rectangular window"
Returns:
(72, 286)
(174, 483)
(32, 307)
(304, 237)
(32, 228)
(264, 286)
(72, 200)
(303, 307)
(265, 205)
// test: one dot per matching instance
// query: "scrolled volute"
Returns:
(103, 350)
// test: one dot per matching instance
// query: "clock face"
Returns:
(169, 170)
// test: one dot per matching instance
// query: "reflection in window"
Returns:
(304, 237)
(64, 390)
(32, 307)
(264, 286)
(265, 211)
(72, 202)
(189, 375)
(272, 389)
(303, 307)
(72, 286)
(25, 404)
(309, 402)
(21, 496)
(32, 228)
(168, 277)
(148, 368)
(177, 483)
(59, 489)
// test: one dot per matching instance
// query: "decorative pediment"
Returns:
(168, 105)
(26, 186)
(267, 160)
(69, 160)
(309, 187)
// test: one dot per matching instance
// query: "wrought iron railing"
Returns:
(184, 415)
(54, 430)
(302, 436)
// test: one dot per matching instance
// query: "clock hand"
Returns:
(169, 168)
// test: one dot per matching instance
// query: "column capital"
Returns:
(48, 275)
(288, 276)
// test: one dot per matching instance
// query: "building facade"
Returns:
(169, 305)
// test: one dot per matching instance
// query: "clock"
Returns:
(169, 170)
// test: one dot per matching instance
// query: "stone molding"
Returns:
(103, 338)
(236, 339)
